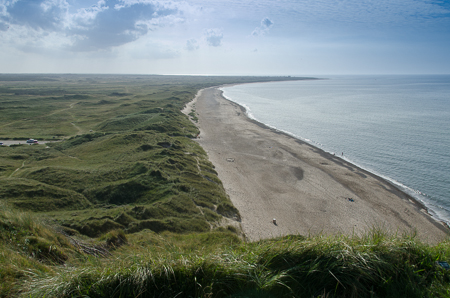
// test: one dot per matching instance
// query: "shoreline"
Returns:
(400, 187)
(307, 190)
(331, 155)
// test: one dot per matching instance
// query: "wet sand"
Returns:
(270, 175)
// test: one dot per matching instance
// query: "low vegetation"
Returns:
(40, 261)
(117, 200)
(119, 153)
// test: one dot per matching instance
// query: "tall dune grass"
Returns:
(376, 265)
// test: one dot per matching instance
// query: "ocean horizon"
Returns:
(394, 126)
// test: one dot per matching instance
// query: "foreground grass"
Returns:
(38, 261)
(374, 266)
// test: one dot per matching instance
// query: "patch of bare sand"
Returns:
(268, 175)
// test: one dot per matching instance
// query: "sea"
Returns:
(395, 126)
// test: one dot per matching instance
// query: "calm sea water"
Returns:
(397, 127)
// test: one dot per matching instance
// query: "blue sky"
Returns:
(246, 37)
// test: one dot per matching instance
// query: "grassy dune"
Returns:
(123, 203)
(123, 157)
(40, 261)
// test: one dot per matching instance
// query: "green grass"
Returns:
(26, 244)
(103, 176)
(38, 258)
(219, 264)
(193, 115)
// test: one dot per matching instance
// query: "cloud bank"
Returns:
(216, 36)
(107, 24)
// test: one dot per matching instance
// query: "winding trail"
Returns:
(23, 164)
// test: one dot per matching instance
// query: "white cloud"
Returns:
(84, 16)
(214, 37)
(264, 28)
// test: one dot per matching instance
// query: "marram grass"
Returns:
(375, 265)
(214, 264)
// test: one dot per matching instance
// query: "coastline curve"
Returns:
(334, 196)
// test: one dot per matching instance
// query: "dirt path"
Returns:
(80, 130)
(23, 164)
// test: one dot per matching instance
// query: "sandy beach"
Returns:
(269, 175)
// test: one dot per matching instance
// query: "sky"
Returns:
(225, 37)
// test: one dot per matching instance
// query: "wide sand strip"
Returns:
(268, 175)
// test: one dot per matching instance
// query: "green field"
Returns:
(122, 202)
